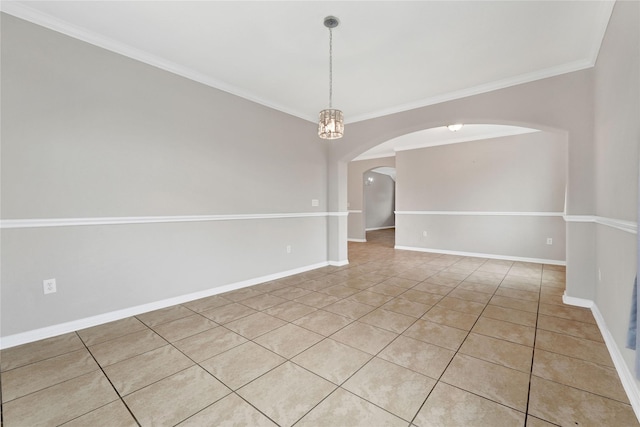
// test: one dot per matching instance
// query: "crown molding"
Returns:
(34, 16)
(480, 89)
(22, 11)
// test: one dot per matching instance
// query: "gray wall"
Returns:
(617, 135)
(87, 133)
(379, 201)
(447, 191)
(561, 104)
(602, 171)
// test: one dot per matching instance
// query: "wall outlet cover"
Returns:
(49, 286)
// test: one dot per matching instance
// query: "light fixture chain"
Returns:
(330, 68)
(331, 122)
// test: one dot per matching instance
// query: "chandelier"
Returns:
(331, 122)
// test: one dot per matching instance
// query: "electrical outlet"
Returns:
(315, 202)
(288, 249)
(49, 286)
(424, 234)
(549, 241)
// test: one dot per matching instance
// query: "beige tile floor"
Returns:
(395, 338)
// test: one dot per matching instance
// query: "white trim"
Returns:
(355, 211)
(379, 228)
(357, 240)
(580, 218)
(75, 325)
(578, 302)
(618, 224)
(30, 14)
(339, 263)
(626, 377)
(483, 88)
(479, 213)
(513, 131)
(481, 255)
(27, 13)
(383, 155)
(64, 222)
(628, 226)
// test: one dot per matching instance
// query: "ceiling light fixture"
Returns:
(331, 123)
(455, 127)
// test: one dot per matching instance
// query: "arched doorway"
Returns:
(359, 184)
(379, 194)
(562, 104)
(497, 193)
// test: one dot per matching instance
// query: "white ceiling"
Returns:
(388, 56)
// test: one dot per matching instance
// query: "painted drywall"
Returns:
(87, 133)
(562, 104)
(379, 200)
(102, 269)
(448, 190)
(520, 173)
(617, 136)
(354, 191)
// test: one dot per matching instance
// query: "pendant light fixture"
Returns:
(331, 123)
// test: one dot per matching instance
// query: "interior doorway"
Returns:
(379, 201)
(385, 238)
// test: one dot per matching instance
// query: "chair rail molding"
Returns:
(66, 222)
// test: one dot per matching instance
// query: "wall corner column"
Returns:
(337, 253)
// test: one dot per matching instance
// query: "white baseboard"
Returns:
(380, 228)
(578, 302)
(480, 255)
(87, 322)
(626, 377)
(339, 263)
(357, 240)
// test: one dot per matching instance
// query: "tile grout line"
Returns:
(121, 398)
(446, 367)
(161, 379)
(286, 359)
(459, 347)
(351, 322)
(339, 386)
(533, 353)
(209, 373)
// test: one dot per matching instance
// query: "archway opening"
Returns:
(493, 191)
(379, 201)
